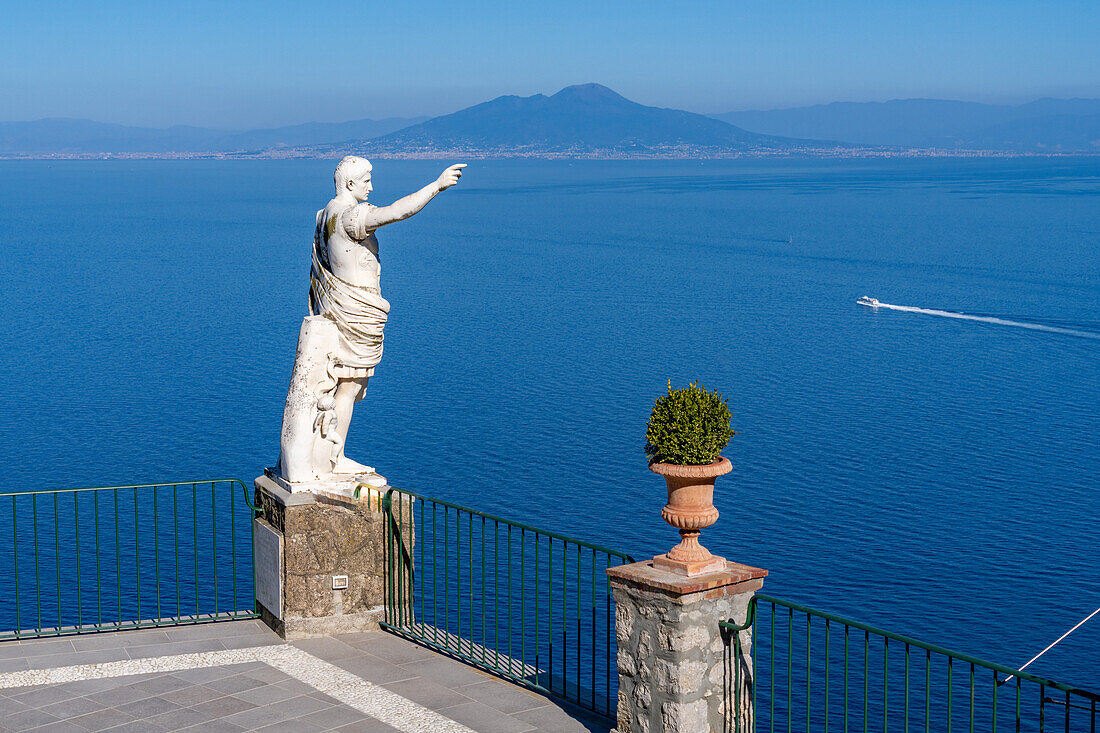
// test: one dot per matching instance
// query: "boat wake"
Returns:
(871, 302)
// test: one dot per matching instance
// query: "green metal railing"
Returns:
(124, 557)
(530, 605)
(814, 671)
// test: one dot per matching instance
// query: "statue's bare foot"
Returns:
(347, 466)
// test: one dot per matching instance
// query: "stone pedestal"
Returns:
(320, 560)
(676, 672)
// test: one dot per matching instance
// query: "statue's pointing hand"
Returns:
(450, 176)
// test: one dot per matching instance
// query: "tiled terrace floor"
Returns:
(240, 676)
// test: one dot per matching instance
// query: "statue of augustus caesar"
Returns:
(345, 290)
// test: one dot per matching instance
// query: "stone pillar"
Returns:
(320, 561)
(677, 671)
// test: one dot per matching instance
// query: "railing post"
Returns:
(678, 670)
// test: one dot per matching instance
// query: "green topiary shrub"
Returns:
(689, 427)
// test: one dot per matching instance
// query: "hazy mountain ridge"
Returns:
(578, 119)
(590, 120)
(61, 136)
(1045, 125)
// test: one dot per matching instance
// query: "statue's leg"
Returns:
(348, 392)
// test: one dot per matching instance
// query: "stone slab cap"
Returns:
(303, 498)
(645, 575)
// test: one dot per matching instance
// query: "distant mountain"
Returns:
(1045, 124)
(64, 136)
(579, 120)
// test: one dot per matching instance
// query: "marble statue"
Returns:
(340, 342)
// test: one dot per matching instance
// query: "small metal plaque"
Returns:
(339, 582)
(267, 561)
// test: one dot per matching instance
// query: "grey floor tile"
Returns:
(257, 717)
(566, 720)
(118, 639)
(294, 707)
(174, 647)
(333, 717)
(102, 720)
(71, 707)
(373, 669)
(34, 648)
(485, 719)
(367, 726)
(327, 648)
(222, 707)
(266, 673)
(428, 693)
(89, 687)
(147, 707)
(388, 646)
(216, 630)
(290, 726)
(116, 696)
(159, 684)
(188, 694)
(69, 659)
(265, 694)
(178, 718)
(17, 664)
(232, 685)
(294, 687)
(504, 696)
(208, 674)
(250, 640)
(446, 671)
(27, 719)
(61, 726)
(138, 726)
(8, 706)
(40, 696)
(214, 726)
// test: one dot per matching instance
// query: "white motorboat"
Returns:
(869, 301)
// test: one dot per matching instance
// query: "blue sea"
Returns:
(932, 475)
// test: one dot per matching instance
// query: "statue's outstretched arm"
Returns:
(373, 217)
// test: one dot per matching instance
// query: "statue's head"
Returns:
(353, 175)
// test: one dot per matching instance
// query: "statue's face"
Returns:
(360, 187)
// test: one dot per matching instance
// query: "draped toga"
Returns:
(359, 312)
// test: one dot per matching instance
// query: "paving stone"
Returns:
(178, 718)
(217, 630)
(188, 694)
(147, 707)
(9, 706)
(119, 640)
(251, 640)
(34, 648)
(327, 648)
(266, 673)
(158, 684)
(27, 719)
(368, 726)
(116, 696)
(373, 669)
(333, 717)
(40, 696)
(208, 674)
(294, 707)
(232, 685)
(554, 717)
(291, 726)
(61, 726)
(70, 707)
(428, 693)
(222, 707)
(102, 720)
(173, 648)
(17, 664)
(138, 726)
(88, 687)
(387, 646)
(257, 717)
(503, 696)
(485, 719)
(446, 671)
(69, 659)
(265, 694)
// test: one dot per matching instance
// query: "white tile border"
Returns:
(366, 697)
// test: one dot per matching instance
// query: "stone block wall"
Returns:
(676, 671)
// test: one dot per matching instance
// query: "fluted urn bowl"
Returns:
(690, 508)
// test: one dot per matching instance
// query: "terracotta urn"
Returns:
(690, 508)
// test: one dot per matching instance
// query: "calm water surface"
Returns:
(930, 475)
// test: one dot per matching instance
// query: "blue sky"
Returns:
(257, 64)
